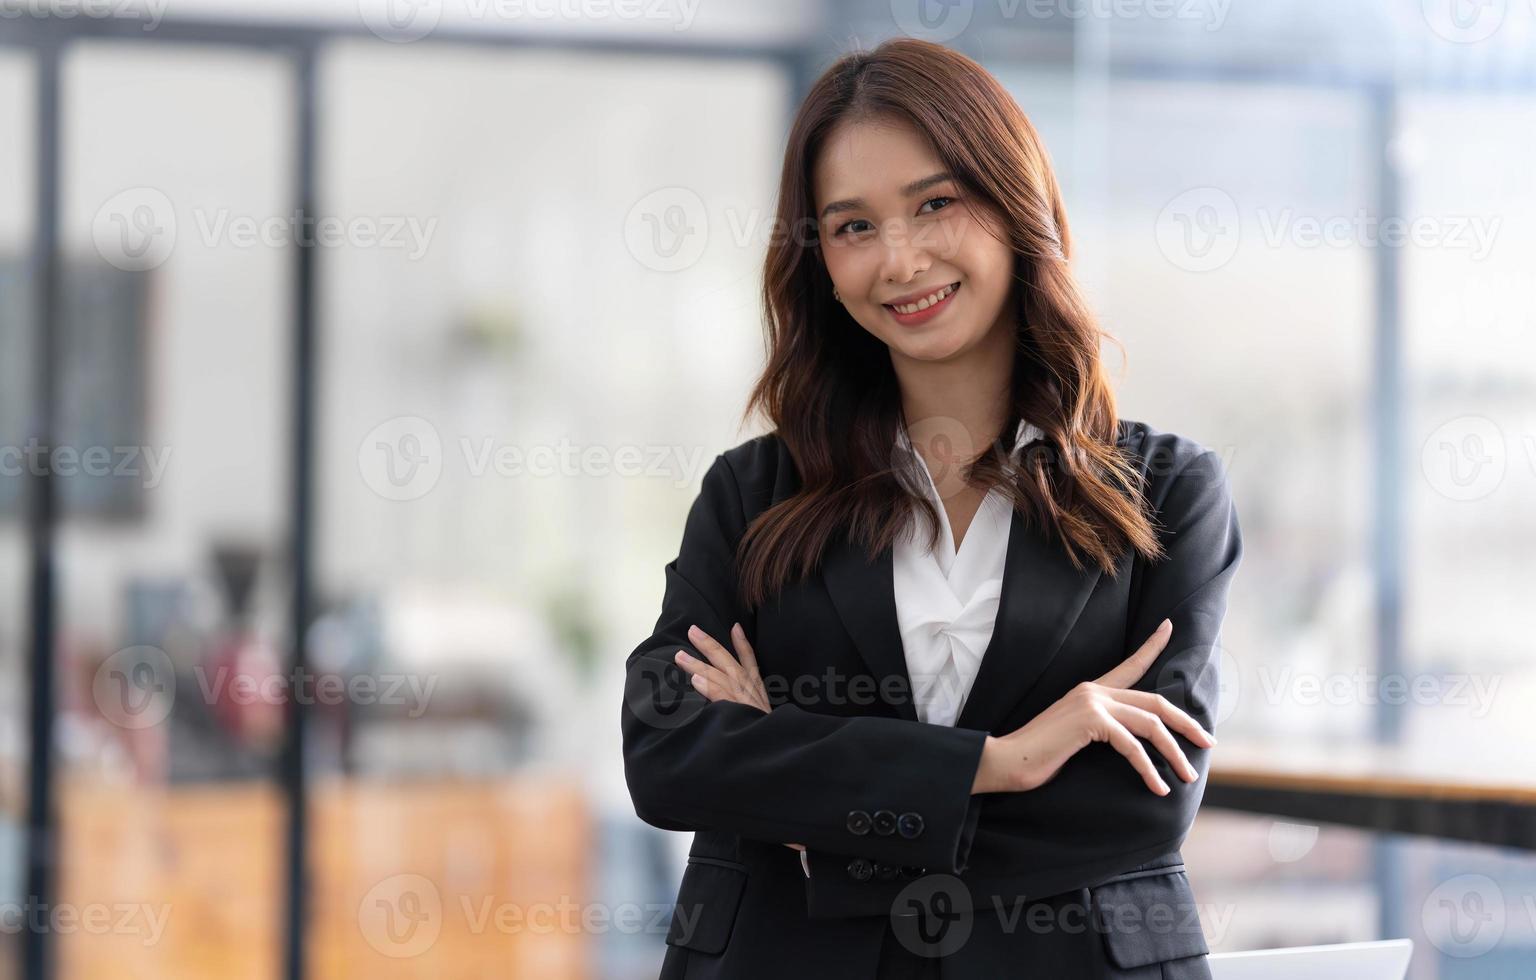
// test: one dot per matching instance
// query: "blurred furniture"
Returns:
(412, 879)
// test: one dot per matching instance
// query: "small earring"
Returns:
(835, 296)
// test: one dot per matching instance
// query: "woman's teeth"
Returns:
(927, 301)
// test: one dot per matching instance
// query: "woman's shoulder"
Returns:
(757, 461)
(763, 459)
(763, 470)
(1159, 450)
(760, 471)
(1181, 474)
(1161, 453)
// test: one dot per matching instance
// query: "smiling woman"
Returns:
(925, 232)
(934, 294)
(1009, 719)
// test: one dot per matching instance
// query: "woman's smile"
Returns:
(913, 311)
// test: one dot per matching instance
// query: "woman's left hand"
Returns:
(727, 678)
(724, 677)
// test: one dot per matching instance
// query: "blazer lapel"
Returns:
(864, 594)
(1042, 597)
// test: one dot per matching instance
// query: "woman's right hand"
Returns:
(1103, 710)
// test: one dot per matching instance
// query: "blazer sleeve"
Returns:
(1097, 796)
(787, 775)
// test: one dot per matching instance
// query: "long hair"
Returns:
(828, 386)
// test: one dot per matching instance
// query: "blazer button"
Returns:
(859, 869)
(885, 871)
(910, 825)
(858, 822)
(885, 823)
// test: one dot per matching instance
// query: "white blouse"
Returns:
(946, 602)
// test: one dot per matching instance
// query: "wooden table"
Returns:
(411, 879)
(1485, 799)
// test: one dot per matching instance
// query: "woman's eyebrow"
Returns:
(916, 187)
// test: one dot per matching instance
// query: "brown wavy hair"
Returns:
(828, 386)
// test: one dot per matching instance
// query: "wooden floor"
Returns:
(411, 879)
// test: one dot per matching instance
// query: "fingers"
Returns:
(744, 649)
(721, 677)
(1129, 670)
(745, 659)
(1151, 727)
(717, 654)
(706, 679)
(1171, 714)
(718, 686)
(713, 676)
(798, 847)
(1126, 744)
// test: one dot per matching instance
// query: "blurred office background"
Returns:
(525, 322)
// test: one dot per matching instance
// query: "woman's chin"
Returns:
(941, 345)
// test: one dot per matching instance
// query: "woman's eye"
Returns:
(942, 202)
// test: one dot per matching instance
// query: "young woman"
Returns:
(935, 665)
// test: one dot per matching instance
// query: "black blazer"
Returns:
(1081, 877)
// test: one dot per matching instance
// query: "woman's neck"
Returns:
(967, 398)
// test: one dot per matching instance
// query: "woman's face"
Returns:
(897, 232)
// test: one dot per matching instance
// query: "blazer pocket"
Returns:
(1148, 918)
(707, 901)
